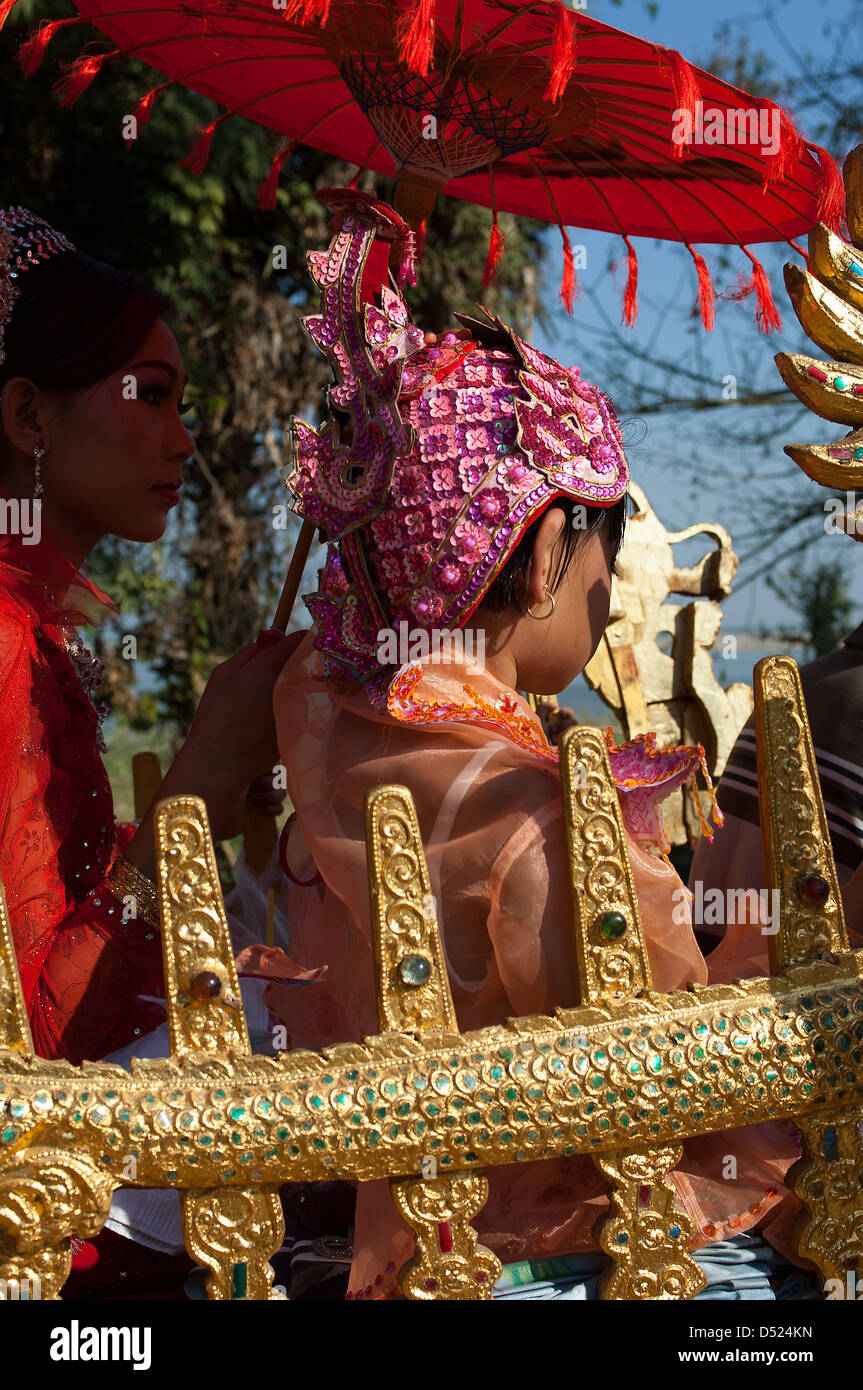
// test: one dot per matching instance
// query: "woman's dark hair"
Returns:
(76, 320)
(510, 585)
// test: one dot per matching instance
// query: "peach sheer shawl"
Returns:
(487, 791)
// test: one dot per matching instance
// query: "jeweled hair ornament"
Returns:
(25, 241)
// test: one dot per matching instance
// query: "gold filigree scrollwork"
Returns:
(587, 1080)
(828, 1179)
(645, 1235)
(14, 1024)
(798, 857)
(413, 989)
(47, 1195)
(203, 994)
(448, 1263)
(233, 1233)
(609, 942)
(414, 995)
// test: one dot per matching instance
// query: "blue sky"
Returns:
(663, 461)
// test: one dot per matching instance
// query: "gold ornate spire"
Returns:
(828, 301)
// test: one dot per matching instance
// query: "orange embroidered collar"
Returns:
(643, 774)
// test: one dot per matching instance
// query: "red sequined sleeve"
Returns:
(82, 967)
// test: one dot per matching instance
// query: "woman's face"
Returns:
(115, 451)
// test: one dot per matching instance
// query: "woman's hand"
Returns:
(231, 744)
(555, 720)
(232, 747)
(262, 793)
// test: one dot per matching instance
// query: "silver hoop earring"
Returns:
(544, 615)
(38, 455)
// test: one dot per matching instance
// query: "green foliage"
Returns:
(820, 596)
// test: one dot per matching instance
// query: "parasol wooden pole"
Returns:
(295, 573)
(146, 781)
(259, 830)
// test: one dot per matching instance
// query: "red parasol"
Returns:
(521, 107)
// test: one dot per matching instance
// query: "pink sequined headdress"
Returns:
(432, 461)
(25, 241)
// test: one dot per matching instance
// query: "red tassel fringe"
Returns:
(779, 165)
(562, 58)
(143, 111)
(706, 298)
(31, 53)
(567, 283)
(630, 294)
(196, 159)
(766, 314)
(307, 11)
(420, 239)
(80, 74)
(415, 33)
(495, 251)
(831, 200)
(684, 86)
(6, 8)
(268, 190)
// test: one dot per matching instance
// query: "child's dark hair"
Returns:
(510, 586)
(76, 320)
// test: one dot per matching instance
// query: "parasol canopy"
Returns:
(528, 108)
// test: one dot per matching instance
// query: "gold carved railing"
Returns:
(624, 1077)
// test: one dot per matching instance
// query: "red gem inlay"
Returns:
(444, 1237)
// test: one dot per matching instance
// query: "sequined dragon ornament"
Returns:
(446, 456)
(25, 241)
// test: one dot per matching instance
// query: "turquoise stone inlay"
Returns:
(414, 970)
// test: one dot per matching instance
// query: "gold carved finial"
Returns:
(611, 958)
(828, 301)
(14, 1024)
(798, 857)
(799, 866)
(232, 1233)
(644, 1235)
(413, 989)
(414, 996)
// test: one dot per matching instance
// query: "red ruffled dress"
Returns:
(82, 967)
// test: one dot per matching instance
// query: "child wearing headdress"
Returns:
(471, 489)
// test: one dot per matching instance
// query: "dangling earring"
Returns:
(544, 615)
(38, 455)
